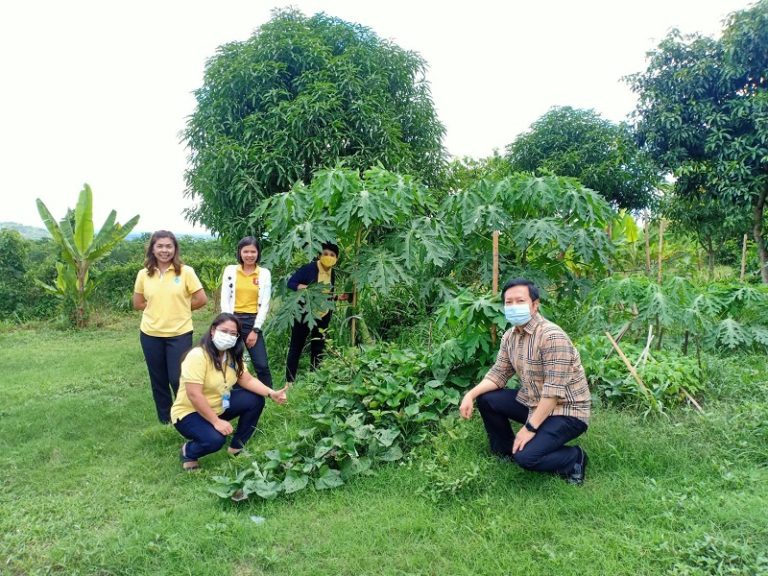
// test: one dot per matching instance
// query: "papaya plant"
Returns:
(384, 223)
(80, 248)
(552, 230)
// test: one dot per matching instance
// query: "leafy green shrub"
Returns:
(667, 374)
(371, 406)
(467, 347)
(115, 285)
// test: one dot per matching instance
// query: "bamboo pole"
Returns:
(743, 258)
(495, 279)
(353, 327)
(633, 372)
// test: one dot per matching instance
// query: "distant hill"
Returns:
(34, 233)
(29, 232)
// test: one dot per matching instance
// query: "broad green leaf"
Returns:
(83, 233)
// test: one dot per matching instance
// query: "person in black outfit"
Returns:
(320, 270)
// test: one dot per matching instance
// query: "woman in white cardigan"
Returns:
(245, 292)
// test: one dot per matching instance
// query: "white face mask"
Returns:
(223, 341)
(517, 314)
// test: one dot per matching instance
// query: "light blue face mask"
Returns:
(517, 314)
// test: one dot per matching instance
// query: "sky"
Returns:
(99, 91)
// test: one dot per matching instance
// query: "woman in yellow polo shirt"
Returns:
(166, 291)
(245, 292)
(216, 388)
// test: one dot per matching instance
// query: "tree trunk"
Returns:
(647, 234)
(743, 257)
(757, 233)
(710, 260)
(661, 250)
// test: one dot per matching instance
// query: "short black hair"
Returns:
(249, 241)
(332, 247)
(533, 291)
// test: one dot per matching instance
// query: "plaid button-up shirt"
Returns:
(547, 364)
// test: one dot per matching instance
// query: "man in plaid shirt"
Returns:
(552, 402)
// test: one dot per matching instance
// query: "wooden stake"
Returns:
(353, 326)
(692, 400)
(743, 258)
(495, 279)
(633, 372)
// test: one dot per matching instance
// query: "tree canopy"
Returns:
(304, 93)
(703, 113)
(581, 144)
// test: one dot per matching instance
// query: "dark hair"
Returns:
(332, 247)
(150, 262)
(533, 291)
(235, 353)
(248, 241)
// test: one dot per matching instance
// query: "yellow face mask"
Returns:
(328, 261)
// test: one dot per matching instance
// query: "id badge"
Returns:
(225, 400)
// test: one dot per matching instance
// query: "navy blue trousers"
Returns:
(163, 357)
(258, 353)
(205, 439)
(546, 451)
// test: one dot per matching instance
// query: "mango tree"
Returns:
(702, 105)
(80, 248)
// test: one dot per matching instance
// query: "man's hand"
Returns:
(251, 339)
(521, 439)
(466, 406)
(223, 427)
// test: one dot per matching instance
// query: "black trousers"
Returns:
(163, 357)
(299, 334)
(546, 451)
(258, 353)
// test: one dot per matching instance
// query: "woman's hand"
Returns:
(223, 427)
(251, 339)
(279, 396)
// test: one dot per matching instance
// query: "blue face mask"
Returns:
(517, 314)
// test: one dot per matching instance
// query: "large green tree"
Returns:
(703, 113)
(304, 93)
(581, 144)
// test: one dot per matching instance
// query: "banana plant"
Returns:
(80, 248)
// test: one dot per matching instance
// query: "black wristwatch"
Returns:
(530, 428)
(257, 330)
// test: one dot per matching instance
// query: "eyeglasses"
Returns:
(233, 333)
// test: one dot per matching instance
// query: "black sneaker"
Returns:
(579, 470)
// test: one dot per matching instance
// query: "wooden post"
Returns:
(743, 258)
(647, 234)
(353, 326)
(495, 280)
(661, 247)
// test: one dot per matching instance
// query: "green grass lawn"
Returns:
(91, 484)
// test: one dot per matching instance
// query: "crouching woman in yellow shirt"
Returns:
(215, 388)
